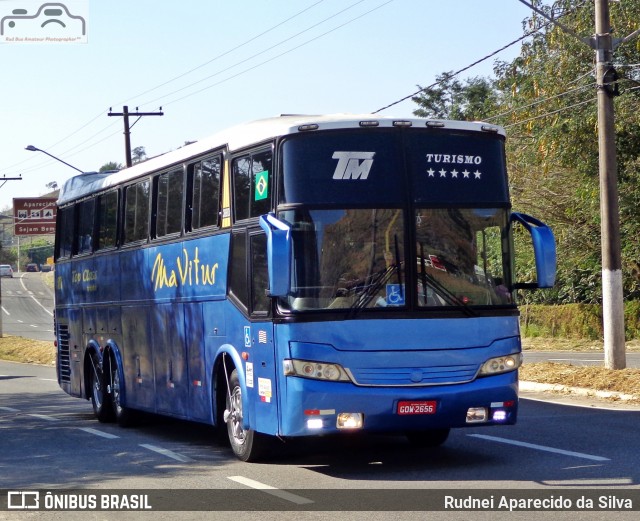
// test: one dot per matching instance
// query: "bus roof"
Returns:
(255, 132)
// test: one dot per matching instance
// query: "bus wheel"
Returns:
(122, 414)
(100, 399)
(246, 444)
(430, 438)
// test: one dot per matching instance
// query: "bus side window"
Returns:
(84, 229)
(169, 203)
(259, 274)
(205, 185)
(107, 220)
(136, 217)
(64, 229)
(238, 268)
(252, 184)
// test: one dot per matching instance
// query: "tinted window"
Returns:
(259, 274)
(107, 220)
(238, 275)
(84, 236)
(136, 219)
(252, 183)
(65, 232)
(206, 189)
(169, 203)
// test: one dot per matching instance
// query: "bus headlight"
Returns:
(315, 370)
(501, 364)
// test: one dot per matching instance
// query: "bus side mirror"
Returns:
(278, 254)
(544, 248)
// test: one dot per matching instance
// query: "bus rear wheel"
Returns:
(100, 398)
(246, 444)
(122, 414)
(430, 438)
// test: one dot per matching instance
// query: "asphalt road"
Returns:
(51, 441)
(576, 357)
(27, 307)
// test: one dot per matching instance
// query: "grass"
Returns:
(18, 349)
(627, 381)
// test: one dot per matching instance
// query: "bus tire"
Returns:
(429, 438)
(246, 444)
(100, 398)
(123, 415)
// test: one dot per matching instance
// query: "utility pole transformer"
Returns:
(127, 128)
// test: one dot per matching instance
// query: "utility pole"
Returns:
(127, 128)
(612, 295)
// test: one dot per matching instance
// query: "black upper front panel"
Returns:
(387, 167)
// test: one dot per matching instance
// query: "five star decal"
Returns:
(454, 174)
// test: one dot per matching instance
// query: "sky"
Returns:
(212, 64)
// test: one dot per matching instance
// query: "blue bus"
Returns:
(300, 276)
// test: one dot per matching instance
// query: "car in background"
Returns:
(46, 267)
(32, 266)
(6, 270)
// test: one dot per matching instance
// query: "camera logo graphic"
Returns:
(23, 500)
(36, 22)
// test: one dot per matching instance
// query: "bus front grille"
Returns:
(413, 376)
(64, 356)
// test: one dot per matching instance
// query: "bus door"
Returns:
(251, 332)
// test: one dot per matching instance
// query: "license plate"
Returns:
(416, 407)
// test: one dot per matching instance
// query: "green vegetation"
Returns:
(574, 321)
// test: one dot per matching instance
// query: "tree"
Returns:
(112, 165)
(53, 185)
(138, 155)
(470, 100)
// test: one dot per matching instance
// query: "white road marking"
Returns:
(45, 417)
(6, 312)
(34, 299)
(575, 360)
(166, 452)
(99, 433)
(540, 447)
(282, 494)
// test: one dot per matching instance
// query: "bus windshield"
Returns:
(346, 259)
(357, 258)
(462, 257)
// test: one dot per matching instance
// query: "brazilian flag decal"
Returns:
(262, 186)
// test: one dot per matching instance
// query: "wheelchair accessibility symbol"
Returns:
(395, 295)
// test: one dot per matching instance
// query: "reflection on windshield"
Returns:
(346, 259)
(460, 257)
(351, 259)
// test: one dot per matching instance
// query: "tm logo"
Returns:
(353, 165)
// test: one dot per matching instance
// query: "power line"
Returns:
(526, 35)
(165, 103)
(540, 116)
(225, 53)
(460, 71)
(541, 100)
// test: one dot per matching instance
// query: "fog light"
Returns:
(499, 415)
(350, 420)
(477, 414)
(314, 423)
